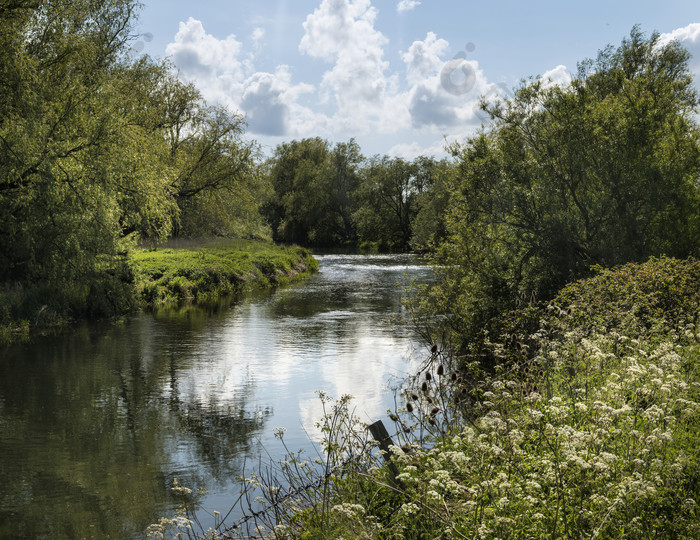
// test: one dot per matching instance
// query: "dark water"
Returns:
(95, 425)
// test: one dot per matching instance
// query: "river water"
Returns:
(96, 424)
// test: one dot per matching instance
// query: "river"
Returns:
(97, 423)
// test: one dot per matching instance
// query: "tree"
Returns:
(97, 149)
(602, 171)
(386, 202)
(428, 226)
(59, 195)
(313, 185)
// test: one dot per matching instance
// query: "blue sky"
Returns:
(401, 77)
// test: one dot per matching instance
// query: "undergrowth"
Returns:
(589, 427)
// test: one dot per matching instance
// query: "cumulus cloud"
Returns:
(201, 55)
(342, 32)
(406, 5)
(558, 76)
(224, 75)
(264, 104)
(433, 96)
(443, 93)
(423, 58)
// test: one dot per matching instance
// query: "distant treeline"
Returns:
(332, 196)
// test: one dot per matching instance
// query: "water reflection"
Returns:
(95, 424)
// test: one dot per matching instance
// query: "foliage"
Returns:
(428, 226)
(312, 192)
(333, 197)
(97, 149)
(601, 171)
(207, 271)
(386, 202)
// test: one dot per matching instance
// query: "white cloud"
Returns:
(357, 95)
(258, 35)
(406, 5)
(412, 150)
(200, 55)
(342, 32)
(423, 57)
(559, 76)
(268, 100)
(444, 94)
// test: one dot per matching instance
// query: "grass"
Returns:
(181, 271)
(202, 272)
(589, 427)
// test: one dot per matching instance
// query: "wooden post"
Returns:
(381, 435)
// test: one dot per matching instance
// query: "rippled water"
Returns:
(96, 424)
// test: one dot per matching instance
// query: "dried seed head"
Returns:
(409, 407)
(428, 376)
(406, 447)
(434, 348)
(453, 376)
(394, 417)
(441, 369)
(427, 398)
(414, 397)
(424, 386)
(434, 411)
(431, 421)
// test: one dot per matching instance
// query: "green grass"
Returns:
(205, 271)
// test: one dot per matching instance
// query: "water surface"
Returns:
(96, 424)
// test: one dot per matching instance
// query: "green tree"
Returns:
(601, 171)
(97, 149)
(313, 185)
(59, 128)
(428, 226)
(386, 202)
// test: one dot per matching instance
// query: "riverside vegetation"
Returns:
(101, 150)
(215, 269)
(561, 395)
(586, 427)
(575, 417)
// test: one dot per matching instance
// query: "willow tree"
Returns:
(313, 185)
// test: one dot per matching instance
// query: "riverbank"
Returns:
(208, 271)
(151, 277)
(586, 427)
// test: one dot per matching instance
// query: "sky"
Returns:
(402, 77)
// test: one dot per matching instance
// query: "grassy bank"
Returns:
(205, 272)
(185, 271)
(588, 427)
